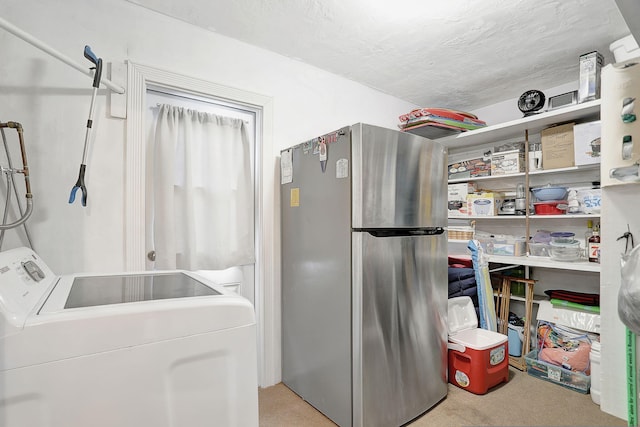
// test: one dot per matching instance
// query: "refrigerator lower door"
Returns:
(399, 325)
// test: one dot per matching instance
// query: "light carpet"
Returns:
(523, 401)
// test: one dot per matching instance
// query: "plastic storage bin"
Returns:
(539, 249)
(572, 380)
(478, 359)
(509, 246)
(502, 245)
(569, 251)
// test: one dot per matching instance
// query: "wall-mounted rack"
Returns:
(58, 55)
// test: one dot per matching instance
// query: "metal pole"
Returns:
(51, 51)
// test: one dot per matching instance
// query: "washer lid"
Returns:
(461, 315)
(90, 291)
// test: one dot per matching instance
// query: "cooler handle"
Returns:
(456, 347)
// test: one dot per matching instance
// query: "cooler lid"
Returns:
(478, 339)
(462, 315)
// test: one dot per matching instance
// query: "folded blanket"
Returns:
(460, 274)
(578, 297)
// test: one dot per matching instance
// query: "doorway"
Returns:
(241, 278)
(267, 266)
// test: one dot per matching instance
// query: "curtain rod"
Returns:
(51, 51)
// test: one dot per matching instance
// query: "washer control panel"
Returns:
(25, 280)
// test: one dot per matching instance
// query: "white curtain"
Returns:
(202, 193)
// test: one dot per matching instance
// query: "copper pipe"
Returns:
(25, 167)
(25, 171)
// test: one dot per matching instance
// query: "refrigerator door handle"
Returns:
(399, 232)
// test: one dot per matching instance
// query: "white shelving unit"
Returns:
(494, 135)
(533, 124)
(581, 276)
(537, 261)
(535, 174)
(522, 217)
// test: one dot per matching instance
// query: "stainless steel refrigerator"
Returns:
(364, 274)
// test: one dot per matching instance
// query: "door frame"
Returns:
(267, 238)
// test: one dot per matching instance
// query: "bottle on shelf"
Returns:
(594, 245)
(587, 235)
(521, 201)
(535, 156)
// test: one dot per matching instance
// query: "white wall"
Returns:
(52, 100)
(620, 205)
(613, 351)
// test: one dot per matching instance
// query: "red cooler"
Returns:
(478, 358)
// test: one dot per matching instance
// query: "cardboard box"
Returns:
(557, 147)
(484, 204)
(457, 199)
(586, 143)
(472, 168)
(507, 162)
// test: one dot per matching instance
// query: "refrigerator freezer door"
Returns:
(316, 278)
(399, 322)
(399, 179)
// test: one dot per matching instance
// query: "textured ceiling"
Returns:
(462, 54)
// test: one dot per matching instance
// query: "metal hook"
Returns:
(628, 237)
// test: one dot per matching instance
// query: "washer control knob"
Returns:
(33, 270)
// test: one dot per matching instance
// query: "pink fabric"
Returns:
(575, 360)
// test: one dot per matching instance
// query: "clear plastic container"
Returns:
(576, 381)
(563, 237)
(539, 249)
(565, 251)
(509, 246)
(542, 236)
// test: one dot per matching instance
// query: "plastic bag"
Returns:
(565, 347)
(629, 294)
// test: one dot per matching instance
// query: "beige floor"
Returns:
(523, 401)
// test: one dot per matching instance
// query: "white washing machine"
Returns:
(147, 349)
